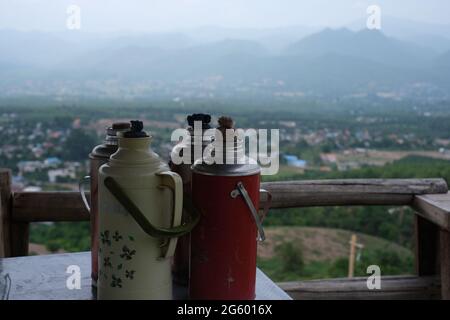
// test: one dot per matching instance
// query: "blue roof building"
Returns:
(52, 161)
(294, 161)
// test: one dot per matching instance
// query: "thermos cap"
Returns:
(136, 130)
(117, 127)
(203, 117)
(109, 146)
(234, 161)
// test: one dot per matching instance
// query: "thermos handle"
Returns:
(173, 181)
(267, 204)
(84, 180)
(243, 192)
(153, 231)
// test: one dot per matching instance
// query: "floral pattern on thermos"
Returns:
(118, 274)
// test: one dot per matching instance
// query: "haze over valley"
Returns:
(210, 62)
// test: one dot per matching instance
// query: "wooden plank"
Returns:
(435, 208)
(392, 287)
(5, 212)
(44, 278)
(445, 263)
(308, 193)
(67, 206)
(427, 247)
(49, 206)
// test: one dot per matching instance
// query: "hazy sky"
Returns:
(165, 15)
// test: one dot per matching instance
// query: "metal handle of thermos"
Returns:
(84, 180)
(157, 232)
(267, 203)
(243, 192)
(173, 181)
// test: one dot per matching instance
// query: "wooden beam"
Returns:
(5, 212)
(308, 193)
(445, 263)
(67, 206)
(392, 287)
(426, 247)
(435, 208)
(48, 206)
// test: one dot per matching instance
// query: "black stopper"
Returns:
(136, 130)
(225, 122)
(203, 117)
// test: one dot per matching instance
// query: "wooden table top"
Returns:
(44, 278)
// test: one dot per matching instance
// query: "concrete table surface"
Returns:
(44, 278)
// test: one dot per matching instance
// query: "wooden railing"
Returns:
(428, 197)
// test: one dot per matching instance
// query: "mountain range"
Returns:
(326, 62)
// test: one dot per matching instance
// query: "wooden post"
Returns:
(427, 244)
(5, 212)
(351, 259)
(20, 236)
(400, 222)
(444, 244)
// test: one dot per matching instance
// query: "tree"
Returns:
(53, 245)
(78, 145)
(291, 257)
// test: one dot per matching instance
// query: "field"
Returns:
(324, 253)
(381, 157)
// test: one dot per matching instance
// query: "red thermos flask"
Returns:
(223, 244)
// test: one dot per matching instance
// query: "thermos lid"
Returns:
(117, 127)
(136, 130)
(244, 166)
(104, 150)
(189, 146)
(203, 117)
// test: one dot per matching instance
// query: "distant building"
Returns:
(349, 165)
(18, 182)
(32, 189)
(294, 161)
(442, 142)
(76, 123)
(54, 174)
(52, 162)
(328, 157)
(444, 151)
(29, 166)
(288, 124)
